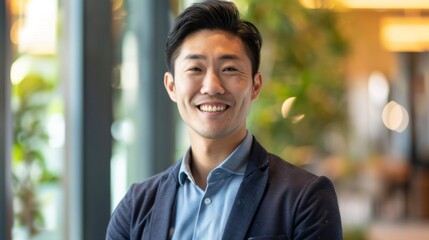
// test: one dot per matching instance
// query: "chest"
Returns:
(203, 214)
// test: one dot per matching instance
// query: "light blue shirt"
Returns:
(203, 214)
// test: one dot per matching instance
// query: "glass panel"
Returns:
(38, 132)
(138, 74)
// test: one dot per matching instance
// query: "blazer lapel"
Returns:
(249, 195)
(164, 205)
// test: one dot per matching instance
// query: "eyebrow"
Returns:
(200, 56)
(194, 57)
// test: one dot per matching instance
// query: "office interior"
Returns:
(84, 113)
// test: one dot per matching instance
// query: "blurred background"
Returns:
(83, 110)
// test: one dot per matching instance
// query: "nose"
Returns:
(212, 84)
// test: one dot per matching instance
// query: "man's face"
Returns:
(213, 84)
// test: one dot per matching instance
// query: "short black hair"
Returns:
(213, 15)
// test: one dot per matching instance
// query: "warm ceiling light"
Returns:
(395, 117)
(367, 4)
(385, 4)
(409, 34)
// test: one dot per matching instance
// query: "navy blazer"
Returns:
(276, 200)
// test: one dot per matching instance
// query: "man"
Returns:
(226, 186)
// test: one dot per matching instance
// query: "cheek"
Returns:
(186, 86)
(243, 103)
(184, 94)
(244, 93)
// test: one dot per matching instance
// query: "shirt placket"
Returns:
(206, 215)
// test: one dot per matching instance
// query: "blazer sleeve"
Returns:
(119, 224)
(318, 215)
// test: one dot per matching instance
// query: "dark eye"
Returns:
(229, 69)
(194, 69)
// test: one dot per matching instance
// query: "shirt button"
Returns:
(207, 201)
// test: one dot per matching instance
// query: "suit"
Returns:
(276, 200)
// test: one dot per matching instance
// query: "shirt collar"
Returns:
(235, 163)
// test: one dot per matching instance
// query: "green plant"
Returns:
(301, 58)
(32, 94)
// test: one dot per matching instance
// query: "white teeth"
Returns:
(209, 108)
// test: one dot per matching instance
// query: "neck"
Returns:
(207, 154)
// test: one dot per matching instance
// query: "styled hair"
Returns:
(213, 15)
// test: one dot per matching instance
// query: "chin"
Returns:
(210, 133)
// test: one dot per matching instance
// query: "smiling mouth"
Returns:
(212, 108)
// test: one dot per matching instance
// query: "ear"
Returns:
(257, 85)
(169, 86)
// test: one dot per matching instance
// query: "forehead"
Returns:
(212, 43)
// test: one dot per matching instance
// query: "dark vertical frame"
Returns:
(5, 127)
(416, 80)
(97, 117)
(411, 69)
(418, 190)
(150, 21)
(161, 116)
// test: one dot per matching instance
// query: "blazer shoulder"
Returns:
(286, 178)
(278, 169)
(149, 187)
(285, 169)
(132, 216)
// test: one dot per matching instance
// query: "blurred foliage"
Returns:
(32, 94)
(301, 57)
(354, 234)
